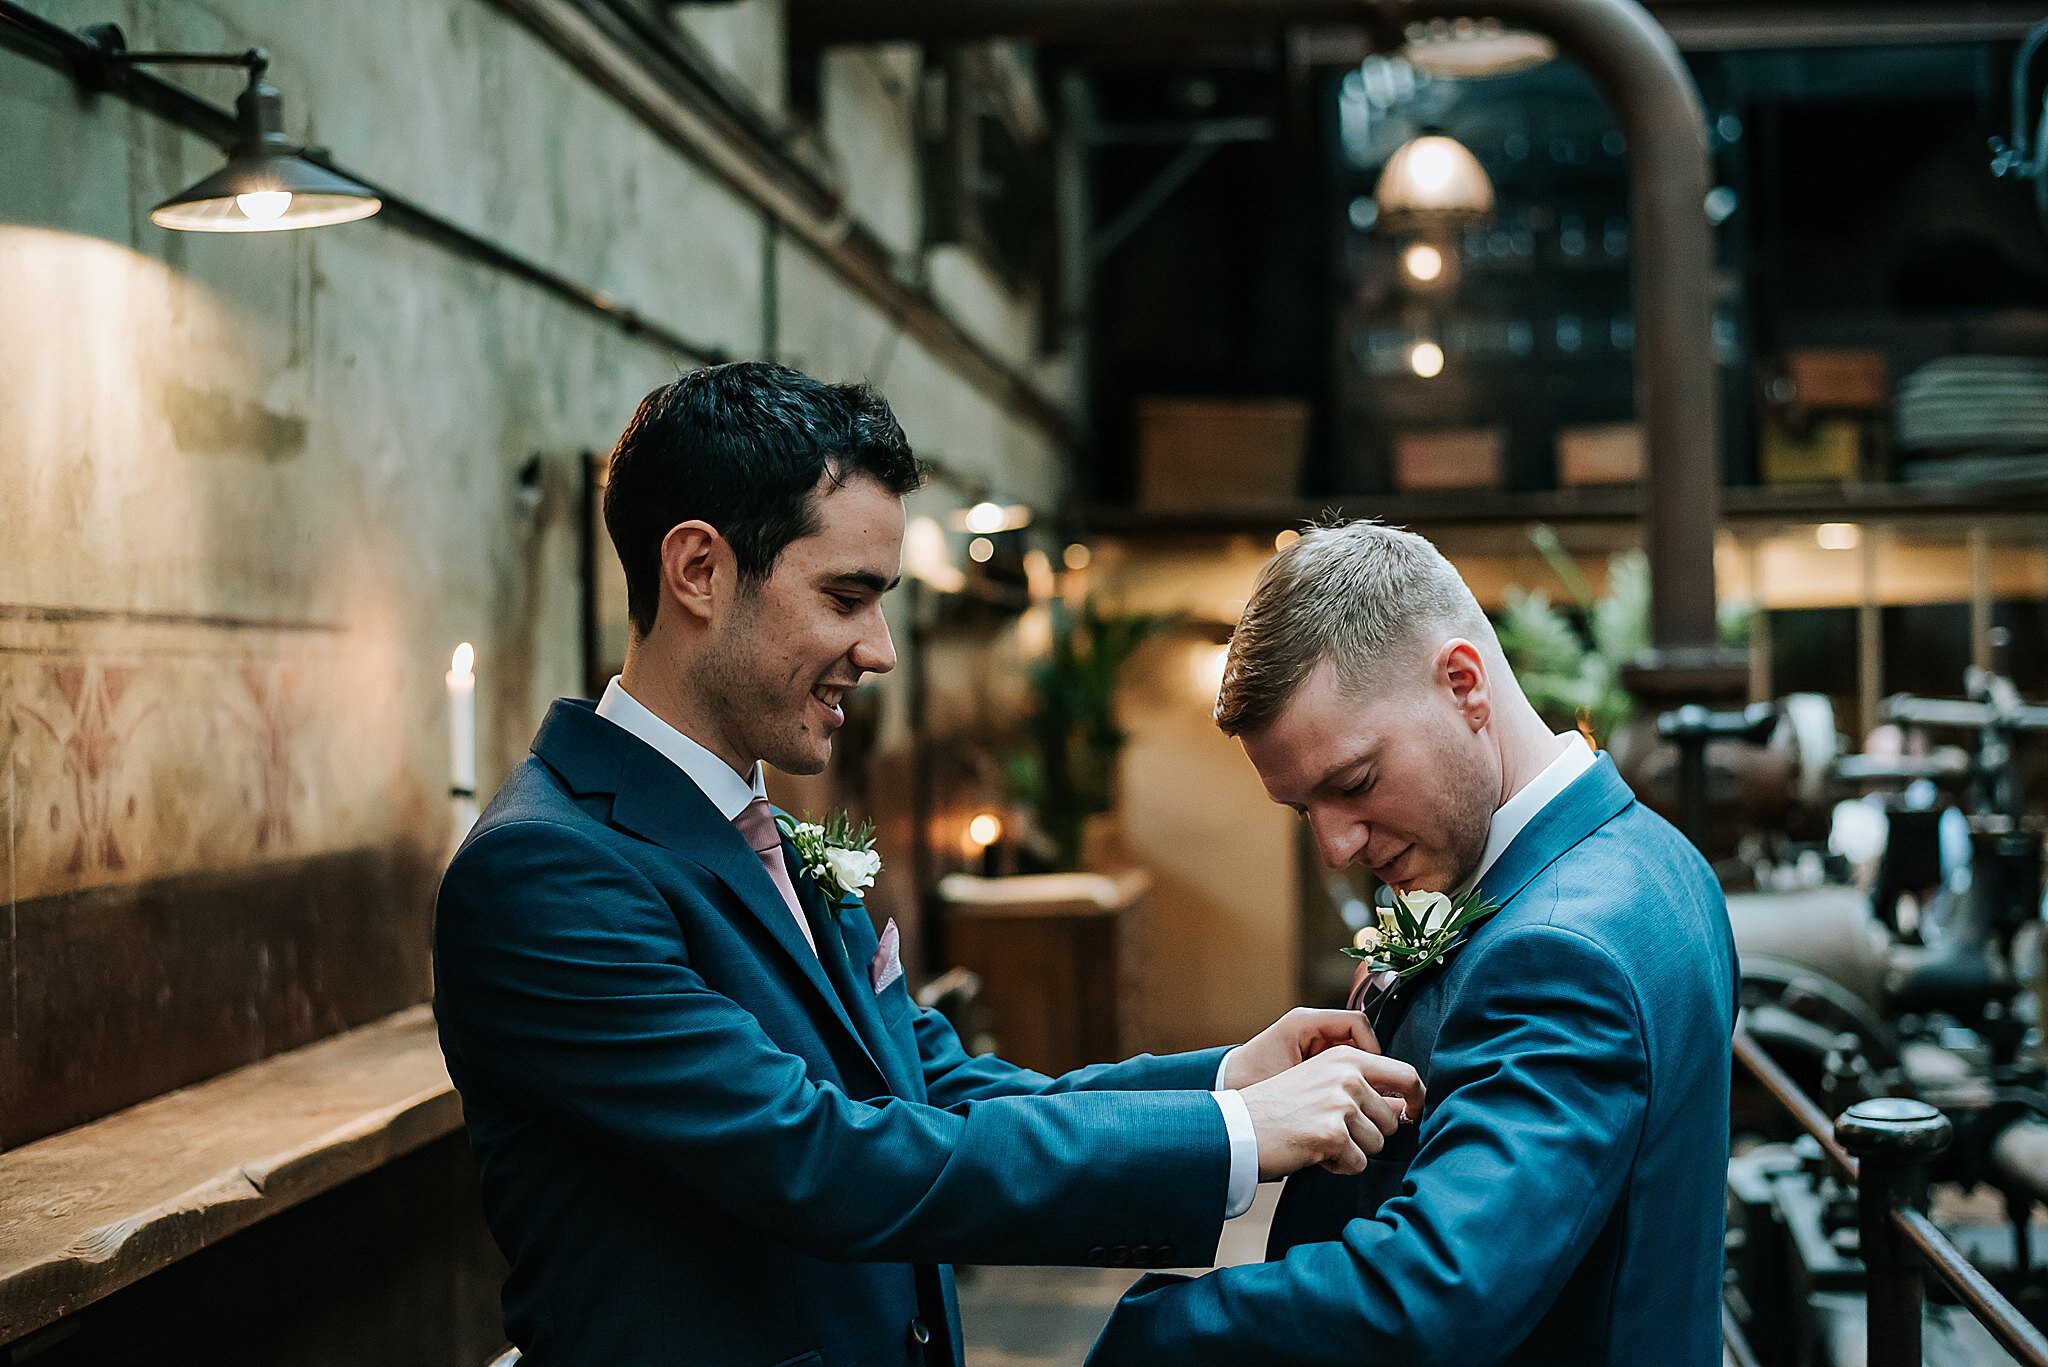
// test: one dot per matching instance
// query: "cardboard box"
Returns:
(1450, 458)
(1829, 451)
(1207, 455)
(1604, 453)
(1851, 380)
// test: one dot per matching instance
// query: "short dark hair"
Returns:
(742, 447)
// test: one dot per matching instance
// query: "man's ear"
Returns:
(696, 565)
(1461, 669)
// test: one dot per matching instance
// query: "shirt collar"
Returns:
(719, 781)
(1574, 758)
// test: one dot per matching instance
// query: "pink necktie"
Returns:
(757, 826)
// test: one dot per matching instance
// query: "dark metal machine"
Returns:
(1900, 965)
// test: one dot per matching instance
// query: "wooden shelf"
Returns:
(1616, 503)
(89, 1211)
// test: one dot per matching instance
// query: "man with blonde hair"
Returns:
(1562, 1201)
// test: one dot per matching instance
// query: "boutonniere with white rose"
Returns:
(1419, 929)
(839, 859)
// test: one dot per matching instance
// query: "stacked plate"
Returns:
(1975, 405)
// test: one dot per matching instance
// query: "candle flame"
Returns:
(465, 659)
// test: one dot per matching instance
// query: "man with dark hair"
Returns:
(711, 1123)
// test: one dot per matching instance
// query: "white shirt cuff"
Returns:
(1244, 1154)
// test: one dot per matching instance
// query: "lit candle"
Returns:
(462, 728)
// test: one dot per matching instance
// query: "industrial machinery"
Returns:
(1898, 957)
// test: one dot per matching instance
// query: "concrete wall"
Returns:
(258, 488)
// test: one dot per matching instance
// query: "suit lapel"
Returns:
(849, 974)
(655, 800)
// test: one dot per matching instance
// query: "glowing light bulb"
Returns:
(985, 830)
(1432, 165)
(464, 659)
(264, 206)
(1423, 263)
(1287, 537)
(1838, 536)
(981, 550)
(985, 518)
(1077, 556)
(1426, 359)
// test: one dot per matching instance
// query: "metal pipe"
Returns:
(1997, 1314)
(1895, 1138)
(1637, 66)
(1810, 1117)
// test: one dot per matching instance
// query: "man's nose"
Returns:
(875, 652)
(1338, 838)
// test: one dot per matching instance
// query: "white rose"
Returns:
(853, 870)
(1431, 910)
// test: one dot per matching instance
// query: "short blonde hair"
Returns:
(1354, 593)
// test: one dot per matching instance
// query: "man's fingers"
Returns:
(1370, 1126)
(1348, 1161)
(1322, 1030)
(1391, 1077)
(1380, 1113)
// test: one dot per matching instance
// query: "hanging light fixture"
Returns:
(1465, 49)
(269, 184)
(1432, 183)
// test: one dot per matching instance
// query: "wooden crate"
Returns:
(1208, 455)
(1603, 453)
(1852, 381)
(1450, 458)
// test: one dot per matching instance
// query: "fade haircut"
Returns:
(1359, 594)
(742, 447)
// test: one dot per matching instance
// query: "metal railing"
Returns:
(1884, 1147)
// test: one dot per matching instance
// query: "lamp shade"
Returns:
(268, 184)
(1432, 182)
(1463, 49)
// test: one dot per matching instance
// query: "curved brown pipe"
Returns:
(1635, 63)
(1657, 106)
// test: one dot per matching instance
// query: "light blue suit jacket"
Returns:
(1563, 1201)
(702, 1142)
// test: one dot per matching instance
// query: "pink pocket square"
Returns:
(887, 965)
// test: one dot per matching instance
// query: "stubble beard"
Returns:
(733, 679)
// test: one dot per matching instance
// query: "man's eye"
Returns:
(1360, 788)
(846, 603)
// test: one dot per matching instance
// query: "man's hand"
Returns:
(1300, 1034)
(1336, 1109)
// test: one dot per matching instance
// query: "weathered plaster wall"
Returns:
(258, 487)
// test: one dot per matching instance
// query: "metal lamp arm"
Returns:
(112, 54)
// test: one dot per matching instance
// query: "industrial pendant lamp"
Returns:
(269, 184)
(1431, 183)
(1466, 49)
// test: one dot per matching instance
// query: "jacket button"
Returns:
(1120, 1255)
(920, 1334)
(1165, 1255)
(1098, 1254)
(1141, 1254)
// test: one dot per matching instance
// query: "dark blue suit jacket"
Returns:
(1563, 1201)
(702, 1143)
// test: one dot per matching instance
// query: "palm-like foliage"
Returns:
(1570, 662)
(1069, 774)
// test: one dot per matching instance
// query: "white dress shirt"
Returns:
(716, 779)
(730, 793)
